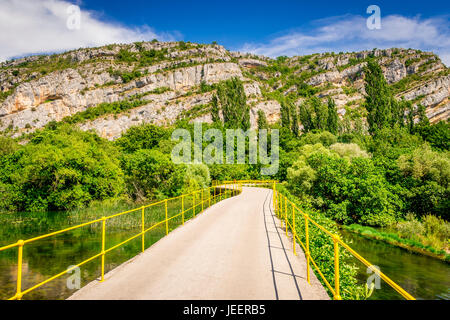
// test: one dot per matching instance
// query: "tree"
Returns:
(314, 115)
(422, 115)
(320, 110)
(333, 118)
(305, 117)
(379, 99)
(262, 120)
(295, 124)
(215, 110)
(285, 114)
(233, 103)
(410, 116)
(438, 135)
(151, 174)
(59, 170)
(145, 136)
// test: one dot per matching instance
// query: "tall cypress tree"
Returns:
(333, 118)
(215, 110)
(233, 102)
(285, 114)
(262, 120)
(294, 117)
(423, 119)
(320, 110)
(410, 116)
(305, 116)
(378, 98)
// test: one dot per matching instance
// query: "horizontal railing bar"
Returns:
(57, 276)
(395, 286)
(390, 282)
(62, 231)
(22, 293)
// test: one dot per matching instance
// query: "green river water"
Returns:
(422, 276)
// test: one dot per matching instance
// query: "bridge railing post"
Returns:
(285, 214)
(193, 203)
(293, 231)
(18, 295)
(182, 209)
(202, 200)
(274, 195)
(167, 220)
(337, 295)
(308, 254)
(209, 197)
(143, 228)
(103, 248)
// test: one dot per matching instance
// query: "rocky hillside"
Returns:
(112, 88)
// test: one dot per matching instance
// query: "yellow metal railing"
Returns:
(215, 194)
(281, 204)
(218, 192)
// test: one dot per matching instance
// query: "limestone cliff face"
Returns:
(170, 79)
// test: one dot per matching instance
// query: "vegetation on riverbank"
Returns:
(429, 235)
(321, 247)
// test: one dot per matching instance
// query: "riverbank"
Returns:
(394, 239)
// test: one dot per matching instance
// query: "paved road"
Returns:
(235, 250)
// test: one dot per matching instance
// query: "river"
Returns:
(422, 276)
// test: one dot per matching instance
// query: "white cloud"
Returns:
(350, 33)
(40, 26)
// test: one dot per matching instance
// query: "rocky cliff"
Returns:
(164, 82)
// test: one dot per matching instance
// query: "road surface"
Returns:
(235, 250)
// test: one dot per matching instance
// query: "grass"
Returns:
(104, 109)
(395, 239)
(5, 94)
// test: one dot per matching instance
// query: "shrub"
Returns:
(349, 150)
(411, 228)
(146, 136)
(196, 177)
(325, 138)
(151, 174)
(61, 169)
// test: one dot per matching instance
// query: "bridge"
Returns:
(234, 241)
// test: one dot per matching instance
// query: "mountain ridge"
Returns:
(162, 82)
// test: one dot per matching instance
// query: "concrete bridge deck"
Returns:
(235, 250)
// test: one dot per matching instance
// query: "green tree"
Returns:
(305, 117)
(262, 120)
(295, 124)
(285, 114)
(215, 110)
(233, 103)
(59, 170)
(379, 99)
(333, 118)
(145, 136)
(320, 110)
(150, 174)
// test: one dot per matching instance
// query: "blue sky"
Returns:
(265, 27)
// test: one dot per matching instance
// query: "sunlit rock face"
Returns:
(39, 89)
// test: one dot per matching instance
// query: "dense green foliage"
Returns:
(322, 251)
(262, 120)
(315, 115)
(60, 170)
(232, 101)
